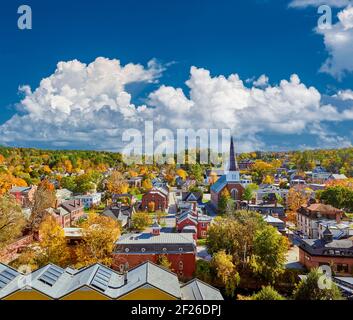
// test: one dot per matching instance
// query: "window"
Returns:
(181, 265)
(342, 268)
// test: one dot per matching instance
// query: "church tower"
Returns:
(233, 171)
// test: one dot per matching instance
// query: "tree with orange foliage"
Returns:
(213, 178)
(44, 198)
(7, 181)
(296, 199)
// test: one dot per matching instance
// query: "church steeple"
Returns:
(233, 164)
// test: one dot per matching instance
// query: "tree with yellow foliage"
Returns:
(52, 244)
(146, 185)
(99, 234)
(117, 184)
(182, 174)
(12, 220)
(268, 180)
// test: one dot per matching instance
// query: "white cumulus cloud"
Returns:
(88, 106)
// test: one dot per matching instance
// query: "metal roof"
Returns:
(199, 290)
(59, 282)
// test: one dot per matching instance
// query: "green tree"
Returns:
(68, 183)
(248, 194)
(224, 200)
(267, 293)
(141, 220)
(338, 196)
(269, 253)
(308, 288)
(204, 271)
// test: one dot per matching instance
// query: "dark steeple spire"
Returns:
(233, 164)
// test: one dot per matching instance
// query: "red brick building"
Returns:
(193, 218)
(335, 253)
(180, 249)
(158, 196)
(24, 195)
(68, 212)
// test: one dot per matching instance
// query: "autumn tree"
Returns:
(146, 185)
(226, 271)
(151, 206)
(44, 198)
(164, 262)
(12, 220)
(117, 184)
(99, 234)
(260, 170)
(213, 178)
(182, 174)
(224, 200)
(296, 199)
(141, 220)
(52, 244)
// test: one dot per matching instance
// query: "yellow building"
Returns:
(147, 281)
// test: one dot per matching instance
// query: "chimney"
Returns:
(194, 207)
(338, 217)
(156, 229)
(125, 278)
(56, 204)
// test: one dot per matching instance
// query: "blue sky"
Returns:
(248, 38)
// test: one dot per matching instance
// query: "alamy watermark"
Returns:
(325, 21)
(24, 21)
(162, 146)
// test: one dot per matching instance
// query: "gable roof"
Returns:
(199, 290)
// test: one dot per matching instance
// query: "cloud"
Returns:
(317, 3)
(338, 42)
(87, 106)
(80, 104)
(344, 95)
(289, 108)
(262, 81)
(338, 38)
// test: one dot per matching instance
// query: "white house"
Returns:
(90, 200)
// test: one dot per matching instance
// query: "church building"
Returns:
(230, 180)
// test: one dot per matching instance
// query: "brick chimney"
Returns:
(156, 229)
